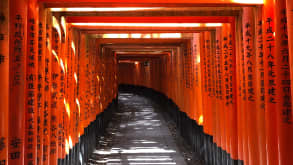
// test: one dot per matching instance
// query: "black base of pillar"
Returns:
(81, 151)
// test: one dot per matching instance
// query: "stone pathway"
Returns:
(137, 135)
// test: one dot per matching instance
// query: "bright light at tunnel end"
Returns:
(139, 35)
(249, 1)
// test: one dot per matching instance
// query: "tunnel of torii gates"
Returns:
(225, 64)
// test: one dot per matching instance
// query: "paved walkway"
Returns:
(137, 135)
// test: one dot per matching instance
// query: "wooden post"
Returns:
(31, 113)
(17, 79)
(270, 82)
(260, 87)
(250, 76)
(4, 83)
(283, 83)
(47, 86)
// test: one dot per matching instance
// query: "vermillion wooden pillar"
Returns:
(71, 66)
(57, 65)
(214, 84)
(197, 82)
(209, 95)
(186, 83)
(75, 81)
(41, 81)
(76, 77)
(283, 86)
(47, 86)
(270, 83)
(229, 91)
(219, 86)
(260, 87)
(192, 98)
(62, 107)
(203, 73)
(31, 114)
(17, 70)
(289, 5)
(74, 63)
(67, 98)
(244, 104)
(221, 92)
(70, 92)
(232, 87)
(78, 86)
(4, 83)
(92, 79)
(73, 85)
(189, 79)
(179, 76)
(250, 73)
(97, 78)
(208, 121)
(216, 103)
(239, 80)
(250, 76)
(87, 82)
(171, 70)
(213, 75)
(81, 80)
(226, 91)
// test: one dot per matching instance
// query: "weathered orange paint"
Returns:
(208, 120)
(31, 113)
(47, 95)
(283, 91)
(219, 92)
(250, 80)
(270, 82)
(260, 88)
(17, 79)
(225, 69)
(289, 5)
(239, 82)
(55, 92)
(4, 83)
(41, 82)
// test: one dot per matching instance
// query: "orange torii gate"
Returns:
(59, 81)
